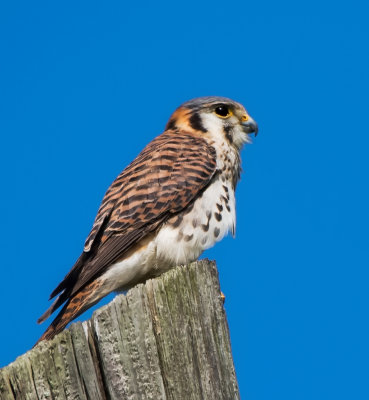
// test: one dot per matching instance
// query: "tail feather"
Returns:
(56, 304)
(76, 305)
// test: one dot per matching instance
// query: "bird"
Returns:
(172, 202)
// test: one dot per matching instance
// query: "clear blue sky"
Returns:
(85, 85)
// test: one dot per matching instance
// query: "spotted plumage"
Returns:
(175, 200)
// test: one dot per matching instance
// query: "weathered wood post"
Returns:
(165, 339)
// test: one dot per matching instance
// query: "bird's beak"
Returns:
(249, 125)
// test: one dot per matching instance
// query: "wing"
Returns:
(166, 177)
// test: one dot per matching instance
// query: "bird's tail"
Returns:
(76, 305)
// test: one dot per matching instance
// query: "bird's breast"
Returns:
(203, 223)
(180, 240)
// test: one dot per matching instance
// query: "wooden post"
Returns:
(165, 339)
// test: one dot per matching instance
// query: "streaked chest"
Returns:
(185, 236)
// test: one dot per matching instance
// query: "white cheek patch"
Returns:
(215, 126)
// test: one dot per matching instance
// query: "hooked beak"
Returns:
(250, 126)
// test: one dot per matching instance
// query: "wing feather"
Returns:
(165, 178)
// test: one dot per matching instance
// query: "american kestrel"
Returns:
(175, 199)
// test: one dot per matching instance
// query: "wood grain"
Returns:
(165, 339)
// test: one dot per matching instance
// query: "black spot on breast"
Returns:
(220, 207)
(228, 208)
(187, 238)
(195, 222)
(196, 123)
(205, 227)
(218, 216)
(216, 232)
(176, 223)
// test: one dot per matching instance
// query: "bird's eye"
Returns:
(223, 111)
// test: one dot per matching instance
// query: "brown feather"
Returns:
(75, 306)
(169, 174)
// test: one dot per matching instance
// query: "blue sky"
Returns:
(84, 86)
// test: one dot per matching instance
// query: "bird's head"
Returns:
(216, 117)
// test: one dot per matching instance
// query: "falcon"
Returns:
(175, 200)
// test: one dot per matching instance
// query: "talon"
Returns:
(222, 297)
